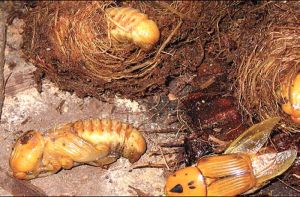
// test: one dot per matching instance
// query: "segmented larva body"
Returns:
(94, 142)
(130, 25)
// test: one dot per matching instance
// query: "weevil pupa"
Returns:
(97, 142)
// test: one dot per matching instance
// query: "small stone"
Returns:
(217, 129)
(85, 177)
(65, 109)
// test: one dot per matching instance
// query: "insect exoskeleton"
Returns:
(291, 93)
(130, 25)
(240, 170)
(94, 142)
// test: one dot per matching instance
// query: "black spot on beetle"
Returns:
(177, 189)
(174, 175)
(192, 187)
(190, 183)
(186, 174)
(63, 144)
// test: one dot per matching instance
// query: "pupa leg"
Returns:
(51, 165)
(104, 162)
(47, 170)
(67, 163)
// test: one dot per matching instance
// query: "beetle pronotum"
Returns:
(94, 141)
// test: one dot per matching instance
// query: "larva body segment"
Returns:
(119, 137)
(95, 142)
(129, 25)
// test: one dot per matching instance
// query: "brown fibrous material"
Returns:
(274, 58)
(70, 43)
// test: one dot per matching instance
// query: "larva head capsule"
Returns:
(135, 146)
(145, 34)
(186, 182)
(27, 153)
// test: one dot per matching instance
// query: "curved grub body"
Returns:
(130, 25)
(94, 142)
